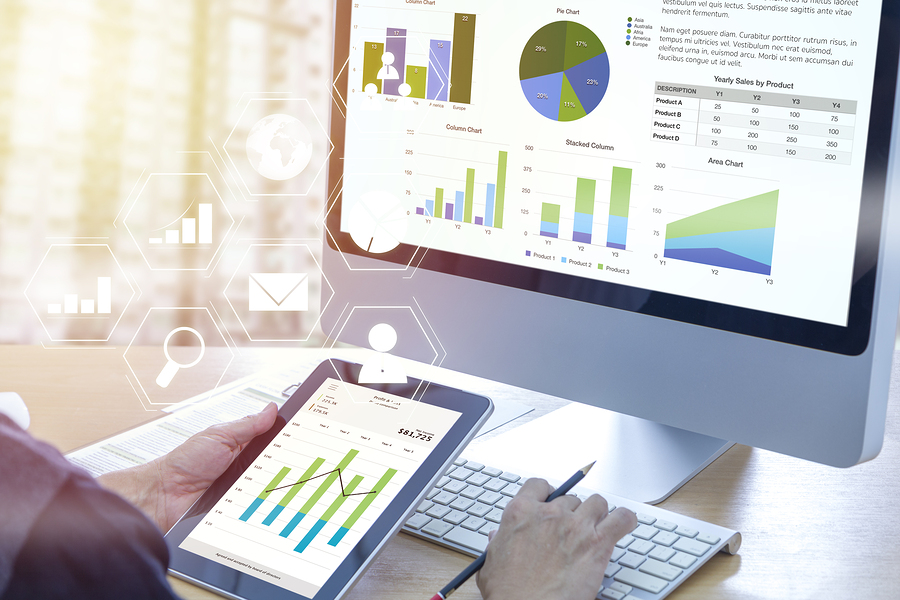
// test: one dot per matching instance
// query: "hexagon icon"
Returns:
(170, 348)
(278, 147)
(79, 292)
(179, 221)
(273, 292)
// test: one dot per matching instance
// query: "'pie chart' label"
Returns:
(564, 71)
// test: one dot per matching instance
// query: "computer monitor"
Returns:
(680, 212)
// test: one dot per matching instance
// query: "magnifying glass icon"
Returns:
(172, 367)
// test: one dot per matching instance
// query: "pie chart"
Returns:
(564, 71)
(378, 222)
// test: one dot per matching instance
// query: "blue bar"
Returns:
(273, 515)
(584, 224)
(549, 229)
(337, 537)
(257, 502)
(289, 528)
(459, 206)
(429, 208)
(310, 535)
(489, 205)
(616, 232)
(438, 70)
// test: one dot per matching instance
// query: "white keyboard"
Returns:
(663, 550)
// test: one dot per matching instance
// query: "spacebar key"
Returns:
(648, 583)
(469, 539)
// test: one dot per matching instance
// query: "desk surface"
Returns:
(809, 531)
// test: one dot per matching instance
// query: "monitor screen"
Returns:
(700, 164)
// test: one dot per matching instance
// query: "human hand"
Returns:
(166, 487)
(551, 550)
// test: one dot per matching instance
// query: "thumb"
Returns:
(243, 430)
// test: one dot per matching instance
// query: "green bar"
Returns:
(372, 64)
(584, 196)
(500, 191)
(550, 213)
(462, 59)
(756, 212)
(274, 483)
(301, 482)
(341, 497)
(620, 194)
(361, 508)
(416, 77)
(470, 195)
(328, 481)
(439, 203)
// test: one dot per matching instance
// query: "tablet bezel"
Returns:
(474, 411)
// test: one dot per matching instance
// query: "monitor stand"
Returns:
(636, 458)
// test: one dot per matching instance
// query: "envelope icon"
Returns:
(279, 292)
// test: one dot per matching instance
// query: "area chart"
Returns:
(564, 71)
(739, 235)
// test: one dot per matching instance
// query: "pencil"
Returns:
(479, 562)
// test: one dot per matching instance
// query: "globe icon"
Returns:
(279, 147)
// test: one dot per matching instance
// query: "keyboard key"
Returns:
(708, 539)
(662, 570)
(494, 516)
(611, 569)
(662, 553)
(459, 462)
(665, 525)
(490, 497)
(511, 477)
(686, 532)
(611, 594)
(461, 473)
(424, 505)
(610, 507)
(443, 498)
(487, 528)
(691, 547)
(621, 587)
(437, 511)
(502, 502)
(645, 532)
(645, 519)
(437, 528)
(473, 523)
(494, 485)
(478, 479)
(631, 560)
(471, 491)
(641, 547)
(434, 492)
(665, 538)
(455, 487)
(642, 581)
(683, 560)
(456, 517)
(479, 509)
(442, 481)
(462, 504)
(511, 489)
(625, 542)
(418, 521)
(474, 466)
(491, 471)
(617, 554)
(468, 539)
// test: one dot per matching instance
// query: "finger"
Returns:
(535, 489)
(570, 503)
(618, 524)
(243, 430)
(595, 508)
(491, 535)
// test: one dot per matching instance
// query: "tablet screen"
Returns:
(303, 504)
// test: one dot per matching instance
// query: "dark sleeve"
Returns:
(84, 541)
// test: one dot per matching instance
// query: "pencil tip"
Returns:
(588, 468)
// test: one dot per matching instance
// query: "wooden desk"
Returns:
(809, 531)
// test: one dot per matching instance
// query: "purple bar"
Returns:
(717, 257)
(479, 221)
(395, 43)
(550, 234)
(420, 211)
(448, 211)
(438, 70)
(616, 246)
(577, 236)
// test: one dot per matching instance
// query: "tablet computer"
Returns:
(308, 505)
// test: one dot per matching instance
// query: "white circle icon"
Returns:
(378, 222)
(279, 147)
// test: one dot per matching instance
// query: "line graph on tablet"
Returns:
(313, 493)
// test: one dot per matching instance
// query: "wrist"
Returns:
(138, 485)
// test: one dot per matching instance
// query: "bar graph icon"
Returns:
(193, 230)
(343, 493)
(87, 306)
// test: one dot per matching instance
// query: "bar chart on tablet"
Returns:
(320, 484)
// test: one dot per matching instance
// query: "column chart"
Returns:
(460, 205)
